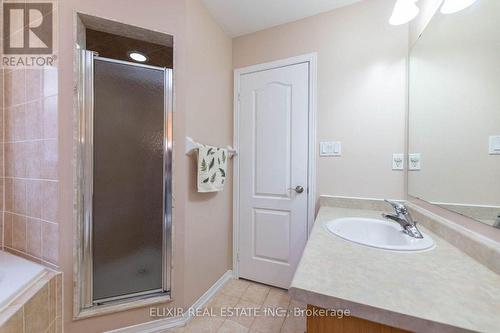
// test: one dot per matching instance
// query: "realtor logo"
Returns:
(28, 28)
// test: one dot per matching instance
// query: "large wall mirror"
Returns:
(454, 120)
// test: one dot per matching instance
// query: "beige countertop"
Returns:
(441, 290)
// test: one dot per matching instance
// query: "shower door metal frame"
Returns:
(85, 169)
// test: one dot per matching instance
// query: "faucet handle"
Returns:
(396, 205)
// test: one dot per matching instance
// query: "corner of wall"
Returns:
(208, 119)
(428, 9)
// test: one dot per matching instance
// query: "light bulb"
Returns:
(453, 6)
(404, 11)
(137, 56)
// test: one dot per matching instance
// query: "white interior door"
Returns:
(273, 167)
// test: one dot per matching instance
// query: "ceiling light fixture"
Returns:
(453, 6)
(404, 11)
(137, 56)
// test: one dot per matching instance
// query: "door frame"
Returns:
(311, 59)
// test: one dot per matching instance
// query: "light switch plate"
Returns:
(330, 148)
(495, 145)
(414, 161)
(398, 161)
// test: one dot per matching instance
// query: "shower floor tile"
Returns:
(246, 306)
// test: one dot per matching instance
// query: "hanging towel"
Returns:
(212, 166)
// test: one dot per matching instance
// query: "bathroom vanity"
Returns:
(441, 289)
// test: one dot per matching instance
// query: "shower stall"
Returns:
(125, 172)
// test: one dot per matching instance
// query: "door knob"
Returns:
(298, 189)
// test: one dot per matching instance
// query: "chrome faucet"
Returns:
(496, 224)
(404, 218)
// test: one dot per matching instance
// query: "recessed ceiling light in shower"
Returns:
(137, 56)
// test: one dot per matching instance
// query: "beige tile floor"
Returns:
(263, 309)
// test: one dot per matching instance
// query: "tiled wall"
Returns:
(38, 310)
(1, 158)
(30, 151)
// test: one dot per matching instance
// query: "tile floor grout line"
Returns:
(235, 294)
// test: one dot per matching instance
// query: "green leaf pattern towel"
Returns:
(212, 166)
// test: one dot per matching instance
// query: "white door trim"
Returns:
(311, 59)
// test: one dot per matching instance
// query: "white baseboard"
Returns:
(160, 325)
(207, 296)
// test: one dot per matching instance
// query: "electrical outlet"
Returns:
(398, 161)
(495, 145)
(414, 162)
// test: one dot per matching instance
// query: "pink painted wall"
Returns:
(209, 119)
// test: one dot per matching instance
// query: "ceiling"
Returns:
(239, 17)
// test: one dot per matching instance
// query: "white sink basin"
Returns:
(377, 233)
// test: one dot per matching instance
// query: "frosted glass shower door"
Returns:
(130, 195)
